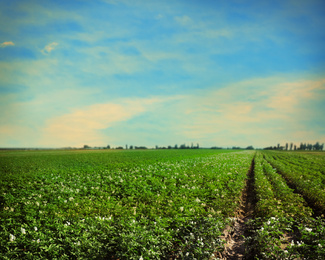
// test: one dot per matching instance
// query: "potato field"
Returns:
(162, 204)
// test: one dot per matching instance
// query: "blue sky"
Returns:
(142, 72)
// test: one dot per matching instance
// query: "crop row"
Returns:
(306, 176)
(275, 198)
(283, 227)
(153, 208)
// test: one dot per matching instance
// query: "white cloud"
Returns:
(84, 125)
(159, 16)
(49, 48)
(6, 44)
(258, 111)
(183, 20)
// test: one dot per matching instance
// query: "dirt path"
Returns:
(234, 236)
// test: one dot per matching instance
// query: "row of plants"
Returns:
(305, 175)
(283, 227)
(147, 205)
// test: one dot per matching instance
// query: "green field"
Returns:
(159, 204)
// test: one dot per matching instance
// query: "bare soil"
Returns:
(234, 235)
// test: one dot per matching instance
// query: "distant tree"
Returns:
(317, 146)
(131, 147)
(175, 147)
(140, 147)
(295, 147)
(278, 146)
(126, 146)
(287, 146)
(301, 146)
(86, 146)
(119, 148)
(108, 147)
(157, 147)
(197, 146)
(310, 147)
(170, 147)
(183, 146)
(250, 147)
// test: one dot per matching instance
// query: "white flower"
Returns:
(71, 198)
(38, 241)
(181, 208)
(35, 228)
(141, 258)
(12, 238)
(308, 229)
(23, 231)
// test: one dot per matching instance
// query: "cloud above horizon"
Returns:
(147, 73)
(6, 44)
(49, 48)
(82, 126)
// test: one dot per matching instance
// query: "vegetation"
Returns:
(282, 217)
(158, 204)
(120, 204)
(303, 147)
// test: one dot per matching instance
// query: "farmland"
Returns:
(160, 204)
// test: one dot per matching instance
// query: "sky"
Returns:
(145, 73)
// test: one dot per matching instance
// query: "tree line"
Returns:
(182, 146)
(302, 147)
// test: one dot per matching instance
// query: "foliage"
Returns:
(119, 204)
(283, 227)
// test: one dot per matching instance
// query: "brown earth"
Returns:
(234, 235)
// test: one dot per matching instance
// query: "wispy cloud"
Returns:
(49, 48)
(84, 125)
(183, 20)
(246, 73)
(6, 44)
(275, 108)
